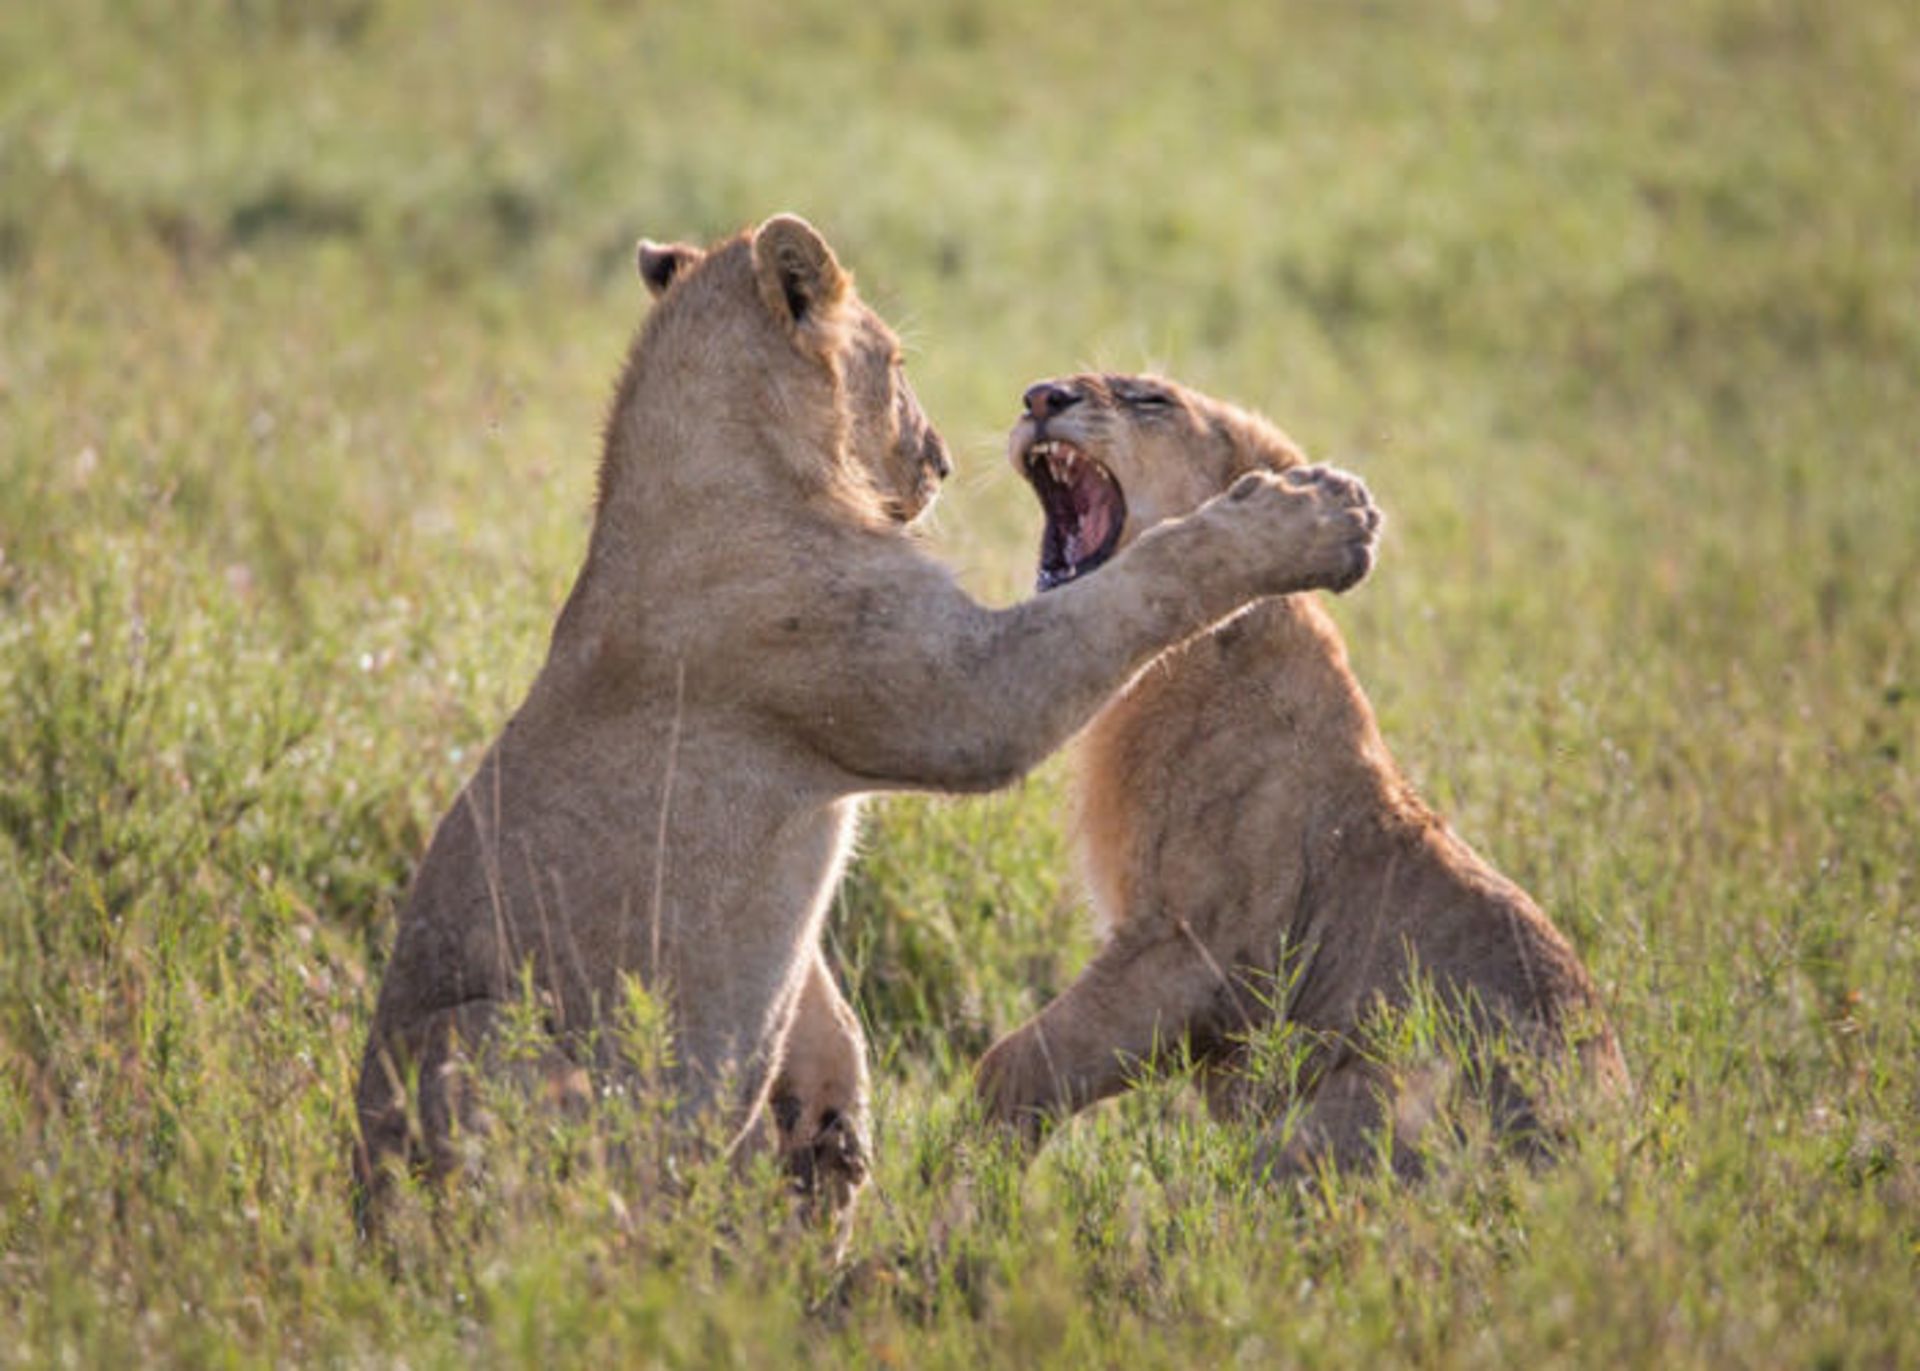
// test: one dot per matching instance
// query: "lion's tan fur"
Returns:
(1237, 809)
(754, 642)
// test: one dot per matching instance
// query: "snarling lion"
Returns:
(754, 642)
(1248, 843)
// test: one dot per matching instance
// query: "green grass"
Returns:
(308, 313)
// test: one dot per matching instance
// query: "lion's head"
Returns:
(766, 330)
(1111, 456)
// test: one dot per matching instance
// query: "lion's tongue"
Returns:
(1093, 521)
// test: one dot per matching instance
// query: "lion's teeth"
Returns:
(1062, 461)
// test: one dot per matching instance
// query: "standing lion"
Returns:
(754, 642)
(1248, 842)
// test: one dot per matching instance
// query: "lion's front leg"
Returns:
(819, 1099)
(1142, 994)
(915, 686)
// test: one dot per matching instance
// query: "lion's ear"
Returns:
(663, 263)
(798, 275)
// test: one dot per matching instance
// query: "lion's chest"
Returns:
(1126, 764)
(1170, 781)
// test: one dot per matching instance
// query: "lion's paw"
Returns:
(1327, 525)
(829, 1167)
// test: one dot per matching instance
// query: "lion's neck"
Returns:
(691, 502)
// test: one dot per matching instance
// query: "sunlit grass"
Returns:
(308, 316)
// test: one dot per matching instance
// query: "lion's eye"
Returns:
(1150, 400)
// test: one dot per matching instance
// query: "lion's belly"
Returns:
(701, 867)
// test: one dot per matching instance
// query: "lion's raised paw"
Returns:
(1328, 524)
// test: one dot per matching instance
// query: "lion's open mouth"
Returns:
(1084, 510)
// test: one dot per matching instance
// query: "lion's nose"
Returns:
(1049, 397)
(937, 458)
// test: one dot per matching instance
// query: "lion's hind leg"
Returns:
(422, 1104)
(1357, 1116)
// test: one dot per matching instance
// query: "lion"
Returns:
(1244, 836)
(757, 640)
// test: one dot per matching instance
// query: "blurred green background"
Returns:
(309, 313)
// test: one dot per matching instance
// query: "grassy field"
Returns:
(308, 315)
